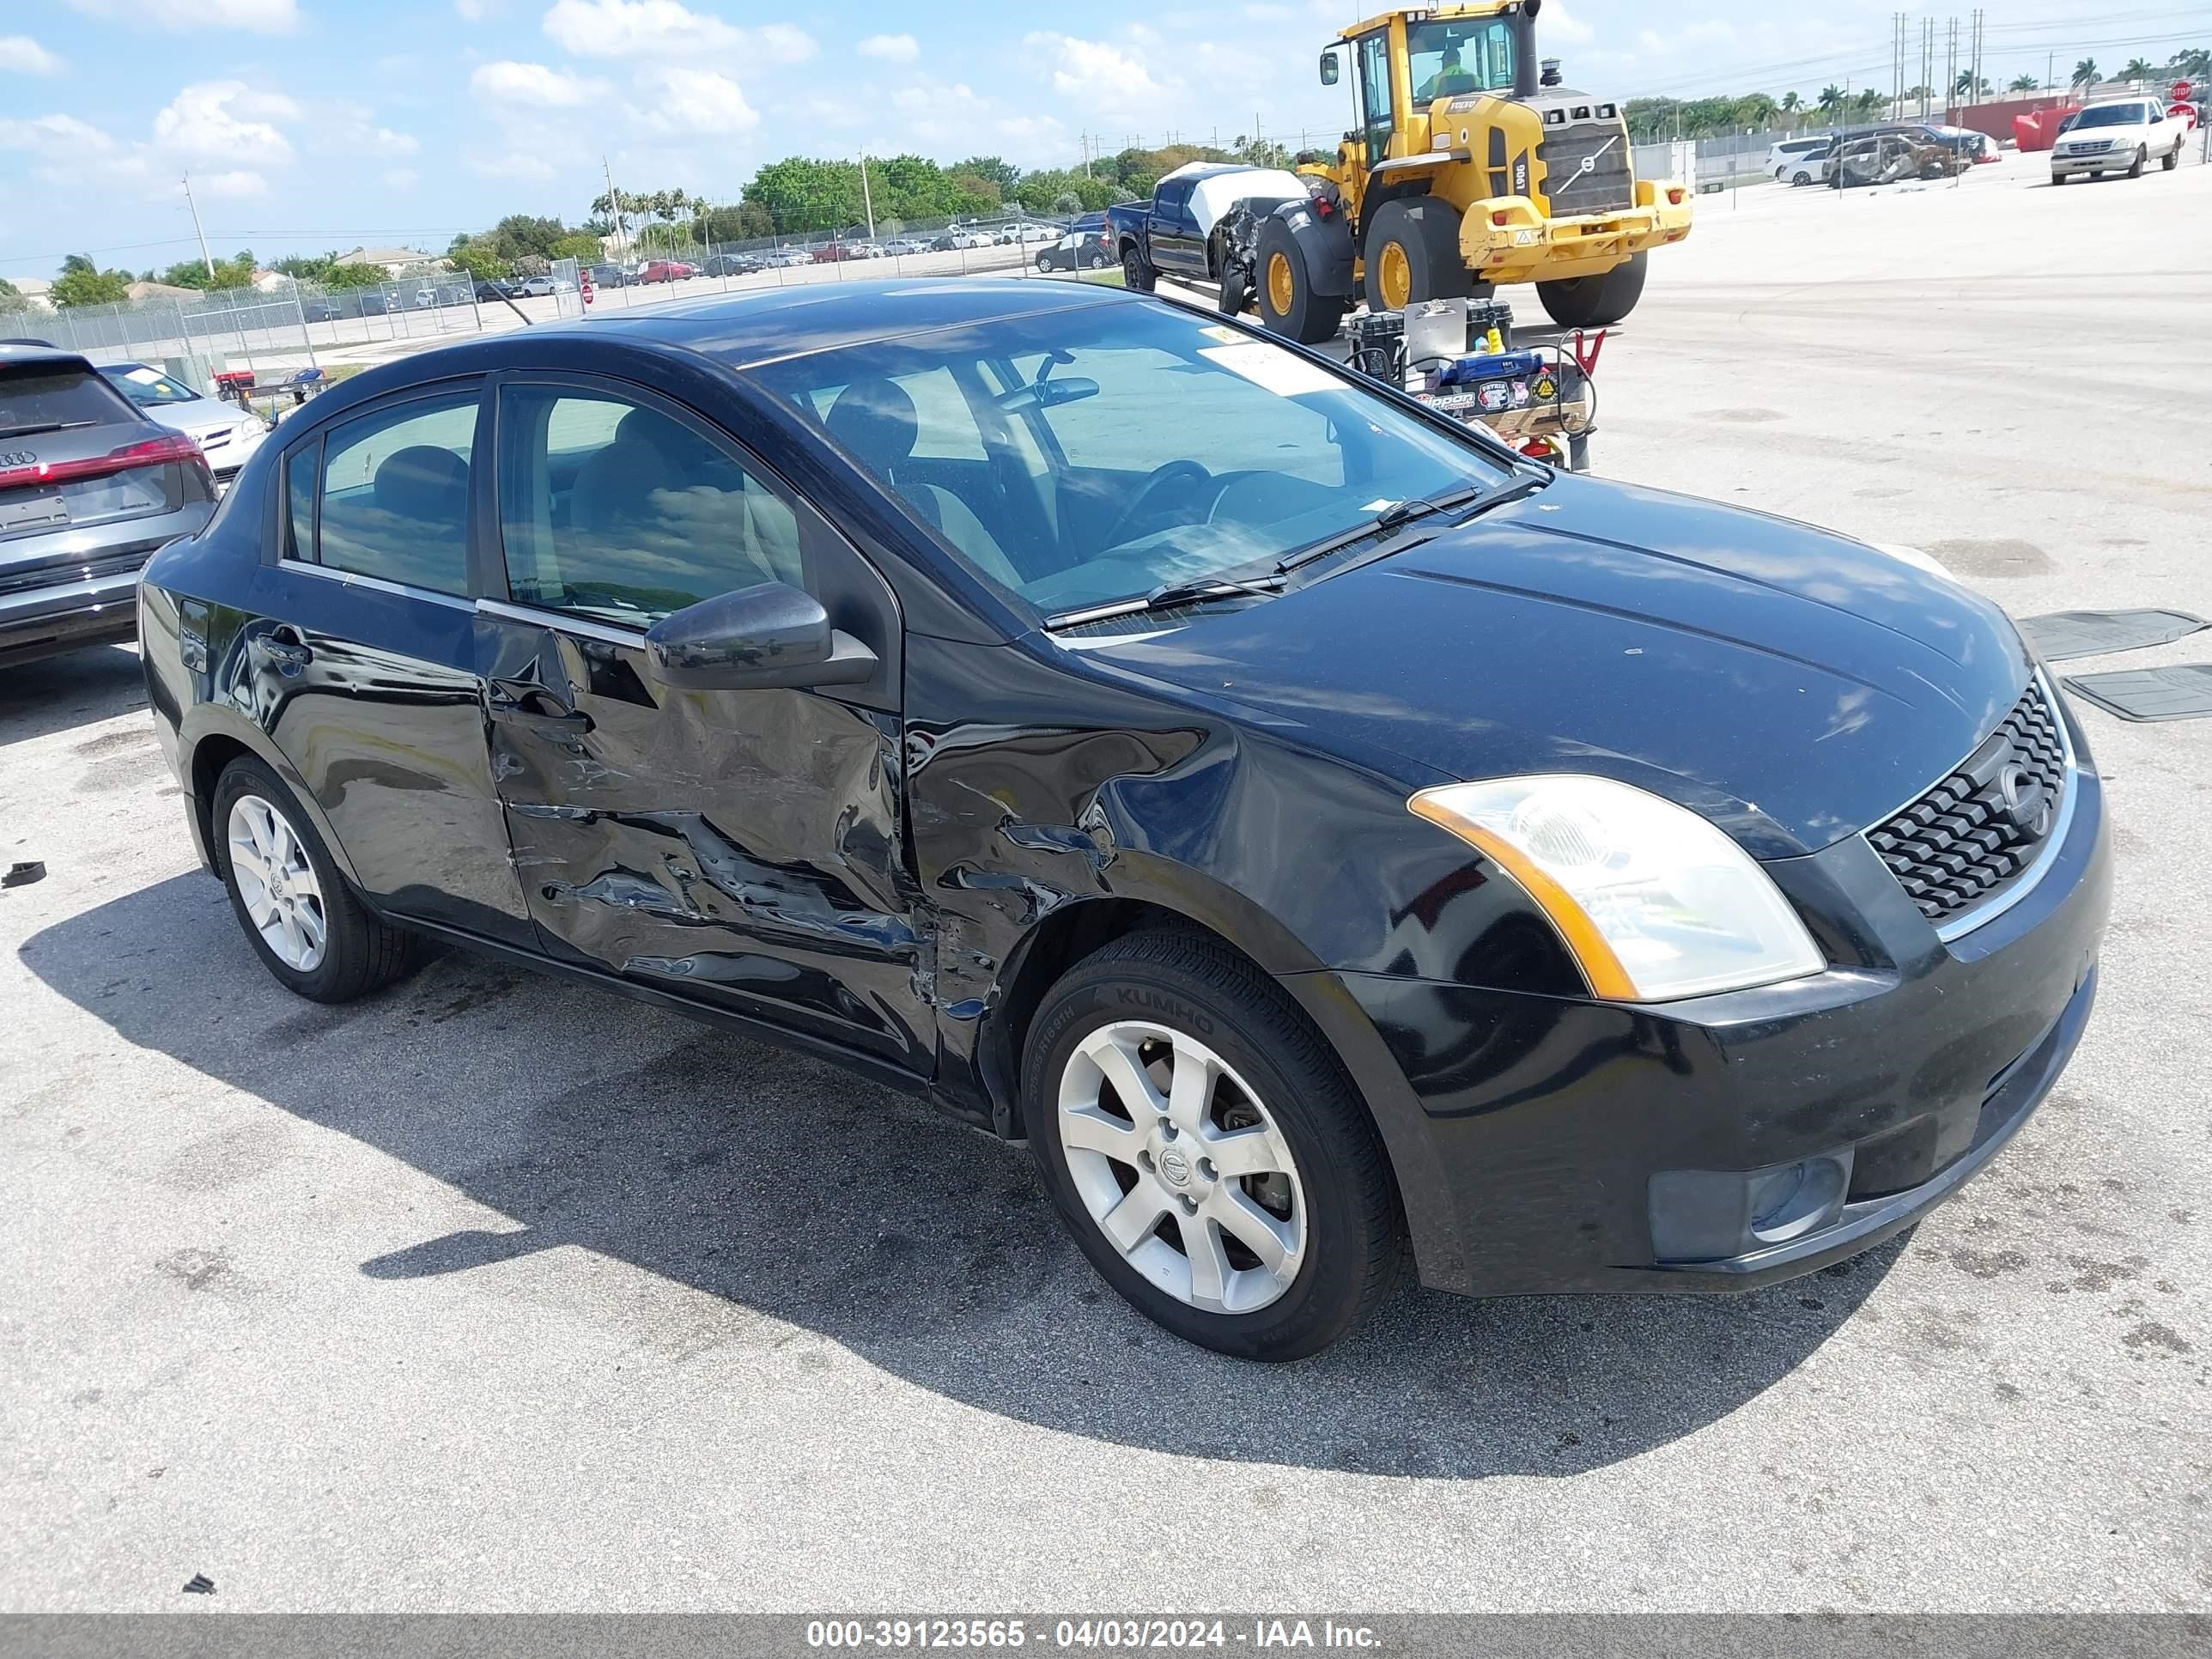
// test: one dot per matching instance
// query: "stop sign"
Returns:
(584, 286)
(2181, 91)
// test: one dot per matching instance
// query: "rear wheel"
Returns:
(1595, 301)
(1413, 254)
(2171, 158)
(1096, 260)
(1204, 1147)
(1137, 271)
(302, 919)
(1288, 304)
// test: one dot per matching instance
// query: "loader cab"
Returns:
(1404, 63)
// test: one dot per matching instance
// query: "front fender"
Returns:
(1325, 243)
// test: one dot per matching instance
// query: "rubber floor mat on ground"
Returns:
(2149, 693)
(2065, 634)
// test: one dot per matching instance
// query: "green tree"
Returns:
(481, 261)
(1830, 99)
(2138, 69)
(804, 193)
(579, 246)
(83, 283)
(2194, 63)
(1867, 103)
(306, 267)
(742, 222)
(338, 276)
(2023, 83)
(1002, 172)
(520, 235)
(2085, 73)
(12, 299)
(1261, 152)
(1967, 87)
(1791, 103)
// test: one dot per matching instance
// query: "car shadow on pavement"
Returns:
(40, 698)
(784, 1187)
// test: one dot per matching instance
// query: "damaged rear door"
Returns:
(743, 848)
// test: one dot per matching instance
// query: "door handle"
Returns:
(283, 646)
(510, 711)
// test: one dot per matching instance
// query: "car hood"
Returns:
(205, 416)
(1794, 686)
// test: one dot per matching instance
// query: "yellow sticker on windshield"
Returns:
(1226, 335)
(1273, 368)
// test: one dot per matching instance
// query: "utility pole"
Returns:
(1927, 63)
(197, 231)
(1951, 68)
(1897, 68)
(867, 201)
(2051, 73)
(614, 209)
(1974, 90)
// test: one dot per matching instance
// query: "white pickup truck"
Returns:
(2124, 135)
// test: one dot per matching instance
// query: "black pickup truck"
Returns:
(1179, 232)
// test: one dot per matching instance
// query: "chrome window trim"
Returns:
(1967, 920)
(355, 579)
(561, 623)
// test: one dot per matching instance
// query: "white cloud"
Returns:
(400, 177)
(892, 48)
(534, 83)
(471, 11)
(1095, 76)
(25, 56)
(224, 121)
(511, 164)
(64, 138)
(262, 16)
(383, 141)
(668, 32)
(235, 183)
(693, 100)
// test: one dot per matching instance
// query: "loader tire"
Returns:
(1288, 304)
(1412, 255)
(1595, 301)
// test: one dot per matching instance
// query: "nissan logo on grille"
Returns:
(2022, 799)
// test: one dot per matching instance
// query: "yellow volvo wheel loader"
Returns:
(1470, 166)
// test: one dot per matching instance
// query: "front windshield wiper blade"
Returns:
(1470, 504)
(34, 426)
(1167, 596)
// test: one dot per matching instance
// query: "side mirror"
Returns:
(771, 635)
(1329, 68)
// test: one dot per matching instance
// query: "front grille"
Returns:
(1975, 833)
(1608, 185)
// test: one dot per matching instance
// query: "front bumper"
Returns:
(1565, 1138)
(2118, 159)
(1528, 248)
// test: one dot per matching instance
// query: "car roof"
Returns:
(768, 324)
(42, 354)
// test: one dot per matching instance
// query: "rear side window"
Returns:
(394, 501)
(48, 397)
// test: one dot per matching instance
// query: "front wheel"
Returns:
(1802, 179)
(303, 922)
(1206, 1149)
(2143, 160)
(1044, 262)
(1595, 301)
(1288, 304)
(1236, 291)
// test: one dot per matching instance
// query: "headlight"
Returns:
(1654, 901)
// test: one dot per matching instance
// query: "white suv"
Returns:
(1800, 160)
(2123, 137)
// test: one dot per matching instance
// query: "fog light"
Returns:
(1710, 1215)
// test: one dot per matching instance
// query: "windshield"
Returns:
(1447, 59)
(150, 387)
(1084, 457)
(2110, 115)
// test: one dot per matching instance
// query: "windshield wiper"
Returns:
(1167, 596)
(42, 426)
(1471, 503)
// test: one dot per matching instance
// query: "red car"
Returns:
(665, 270)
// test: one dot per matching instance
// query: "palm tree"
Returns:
(2024, 83)
(2138, 69)
(2193, 62)
(1868, 101)
(2084, 73)
(1831, 99)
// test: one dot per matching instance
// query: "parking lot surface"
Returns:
(489, 1292)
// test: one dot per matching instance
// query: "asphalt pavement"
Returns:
(490, 1293)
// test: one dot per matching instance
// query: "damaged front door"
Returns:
(739, 848)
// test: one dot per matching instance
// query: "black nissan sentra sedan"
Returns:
(1309, 825)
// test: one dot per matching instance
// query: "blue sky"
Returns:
(308, 124)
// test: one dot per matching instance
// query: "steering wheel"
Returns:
(1190, 474)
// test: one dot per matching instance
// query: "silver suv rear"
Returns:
(89, 487)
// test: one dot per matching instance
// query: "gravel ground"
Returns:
(488, 1293)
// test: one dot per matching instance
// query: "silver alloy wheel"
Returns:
(277, 884)
(1181, 1166)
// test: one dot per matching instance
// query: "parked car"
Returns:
(732, 265)
(1157, 812)
(608, 275)
(534, 287)
(226, 433)
(666, 270)
(786, 257)
(830, 254)
(2123, 137)
(90, 484)
(1799, 161)
(492, 291)
(1182, 231)
(322, 311)
(899, 246)
(1087, 247)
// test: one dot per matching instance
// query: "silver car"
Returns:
(226, 433)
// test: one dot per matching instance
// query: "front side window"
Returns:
(395, 494)
(1449, 58)
(619, 511)
(1089, 457)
